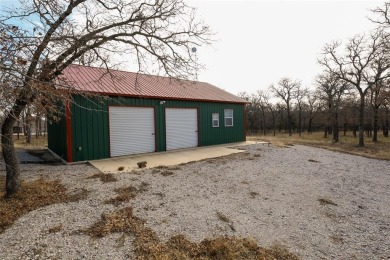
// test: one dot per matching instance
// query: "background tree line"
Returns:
(351, 94)
(332, 107)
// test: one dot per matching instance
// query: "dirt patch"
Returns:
(104, 177)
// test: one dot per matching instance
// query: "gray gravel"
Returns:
(268, 193)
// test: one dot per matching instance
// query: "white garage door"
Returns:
(181, 128)
(131, 130)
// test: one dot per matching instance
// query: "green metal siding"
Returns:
(56, 135)
(90, 123)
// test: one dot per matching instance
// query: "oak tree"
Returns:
(40, 38)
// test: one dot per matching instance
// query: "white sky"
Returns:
(260, 42)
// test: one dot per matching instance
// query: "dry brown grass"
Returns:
(41, 142)
(33, 195)
(148, 245)
(253, 194)
(55, 229)
(346, 144)
(167, 173)
(223, 217)
(104, 177)
(124, 194)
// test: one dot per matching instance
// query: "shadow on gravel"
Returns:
(43, 156)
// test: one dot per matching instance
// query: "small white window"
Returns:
(215, 117)
(228, 117)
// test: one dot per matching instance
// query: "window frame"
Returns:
(213, 119)
(226, 117)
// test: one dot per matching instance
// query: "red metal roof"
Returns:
(124, 83)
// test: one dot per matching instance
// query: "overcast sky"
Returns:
(260, 42)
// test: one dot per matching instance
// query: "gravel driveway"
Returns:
(319, 204)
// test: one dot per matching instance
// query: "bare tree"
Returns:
(263, 100)
(300, 94)
(285, 91)
(158, 34)
(377, 99)
(313, 108)
(331, 89)
(356, 66)
(251, 109)
(273, 109)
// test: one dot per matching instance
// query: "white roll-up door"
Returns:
(181, 128)
(131, 130)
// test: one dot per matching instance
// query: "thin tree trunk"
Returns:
(28, 126)
(335, 126)
(18, 129)
(345, 129)
(45, 126)
(289, 121)
(386, 131)
(300, 121)
(309, 126)
(361, 120)
(375, 133)
(264, 128)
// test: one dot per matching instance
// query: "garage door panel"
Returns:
(131, 130)
(181, 128)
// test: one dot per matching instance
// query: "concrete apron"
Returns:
(169, 158)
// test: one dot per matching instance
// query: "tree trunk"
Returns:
(289, 121)
(361, 120)
(45, 126)
(375, 130)
(12, 184)
(274, 124)
(335, 126)
(300, 121)
(264, 128)
(28, 126)
(386, 131)
(309, 126)
(18, 129)
(345, 129)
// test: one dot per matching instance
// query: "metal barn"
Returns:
(132, 113)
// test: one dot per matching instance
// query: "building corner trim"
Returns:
(68, 121)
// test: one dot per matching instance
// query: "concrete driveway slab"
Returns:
(169, 158)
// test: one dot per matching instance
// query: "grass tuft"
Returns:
(124, 194)
(324, 201)
(167, 173)
(223, 217)
(33, 195)
(253, 194)
(55, 229)
(104, 177)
